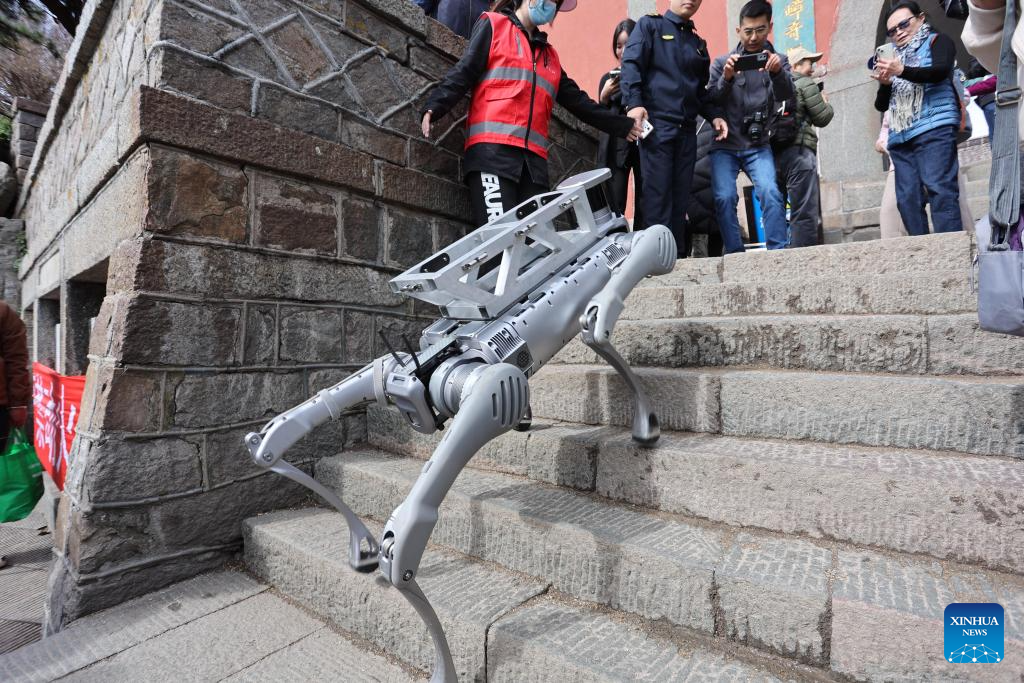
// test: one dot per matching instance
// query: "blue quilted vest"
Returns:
(940, 107)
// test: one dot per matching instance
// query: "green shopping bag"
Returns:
(21, 478)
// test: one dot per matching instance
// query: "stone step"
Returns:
(501, 626)
(780, 594)
(911, 344)
(978, 171)
(943, 252)
(925, 293)
(947, 505)
(230, 628)
(967, 414)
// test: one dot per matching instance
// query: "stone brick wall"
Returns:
(28, 118)
(11, 232)
(246, 178)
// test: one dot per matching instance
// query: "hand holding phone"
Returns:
(752, 62)
(648, 127)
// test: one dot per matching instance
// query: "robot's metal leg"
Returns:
(646, 429)
(494, 401)
(268, 446)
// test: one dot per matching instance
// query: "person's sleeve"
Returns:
(636, 57)
(943, 56)
(600, 87)
(819, 112)
(985, 86)
(14, 351)
(464, 75)
(590, 112)
(782, 82)
(708, 109)
(883, 97)
(718, 87)
(983, 34)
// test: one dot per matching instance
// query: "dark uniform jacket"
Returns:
(507, 161)
(747, 93)
(665, 70)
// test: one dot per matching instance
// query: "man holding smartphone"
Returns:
(664, 82)
(747, 85)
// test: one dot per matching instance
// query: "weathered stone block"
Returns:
(297, 112)
(299, 51)
(422, 191)
(377, 88)
(957, 345)
(121, 400)
(365, 24)
(362, 237)
(204, 80)
(408, 237)
(429, 158)
(296, 216)
(211, 400)
(359, 337)
(341, 45)
(393, 328)
(260, 334)
(250, 57)
(312, 335)
(118, 470)
(164, 333)
(194, 196)
(444, 39)
(220, 273)
(190, 27)
(373, 140)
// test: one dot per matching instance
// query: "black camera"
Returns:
(753, 125)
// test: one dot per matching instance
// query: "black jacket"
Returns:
(665, 70)
(748, 92)
(615, 152)
(505, 160)
(701, 210)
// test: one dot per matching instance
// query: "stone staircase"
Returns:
(842, 457)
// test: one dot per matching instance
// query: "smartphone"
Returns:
(648, 127)
(752, 62)
(821, 86)
(886, 52)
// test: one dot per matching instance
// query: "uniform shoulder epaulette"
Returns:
(652, 14)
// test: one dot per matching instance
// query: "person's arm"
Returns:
(464, 76)
(588, 111)
(983, 86)
(782, 82)
(983, 32)
(943, 56)
(14, 351)
(819, 112)
(883, 97)
(718, 87)
(636, 58)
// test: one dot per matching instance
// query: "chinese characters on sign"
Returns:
(794, 25)
(56, 403)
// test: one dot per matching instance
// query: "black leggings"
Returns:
(492, 195)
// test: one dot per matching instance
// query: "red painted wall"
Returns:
(583, 37)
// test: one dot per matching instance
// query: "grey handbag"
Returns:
(1000, 268)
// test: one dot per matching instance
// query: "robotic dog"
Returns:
(512, 294)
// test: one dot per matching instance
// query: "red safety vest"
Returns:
(512, 103)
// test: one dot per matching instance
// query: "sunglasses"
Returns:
(902, 26)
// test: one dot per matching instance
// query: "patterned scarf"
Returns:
(907, 97)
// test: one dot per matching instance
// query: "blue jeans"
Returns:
(926, 168)
(989, 110)
(759, 165)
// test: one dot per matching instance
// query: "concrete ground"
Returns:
(222, 626)
(26, 546)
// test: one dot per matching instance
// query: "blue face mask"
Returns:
(543, 12)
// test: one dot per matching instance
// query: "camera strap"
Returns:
(1004, 182)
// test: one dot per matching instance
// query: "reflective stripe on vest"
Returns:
(513, 100)
(508, 129)
(511, 73)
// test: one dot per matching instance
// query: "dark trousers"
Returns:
(619, 188)
(797, 170)
(926, 172)
(667, 158)
(5, 428)
(491, 195)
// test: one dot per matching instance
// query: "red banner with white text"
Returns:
(56, 404)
